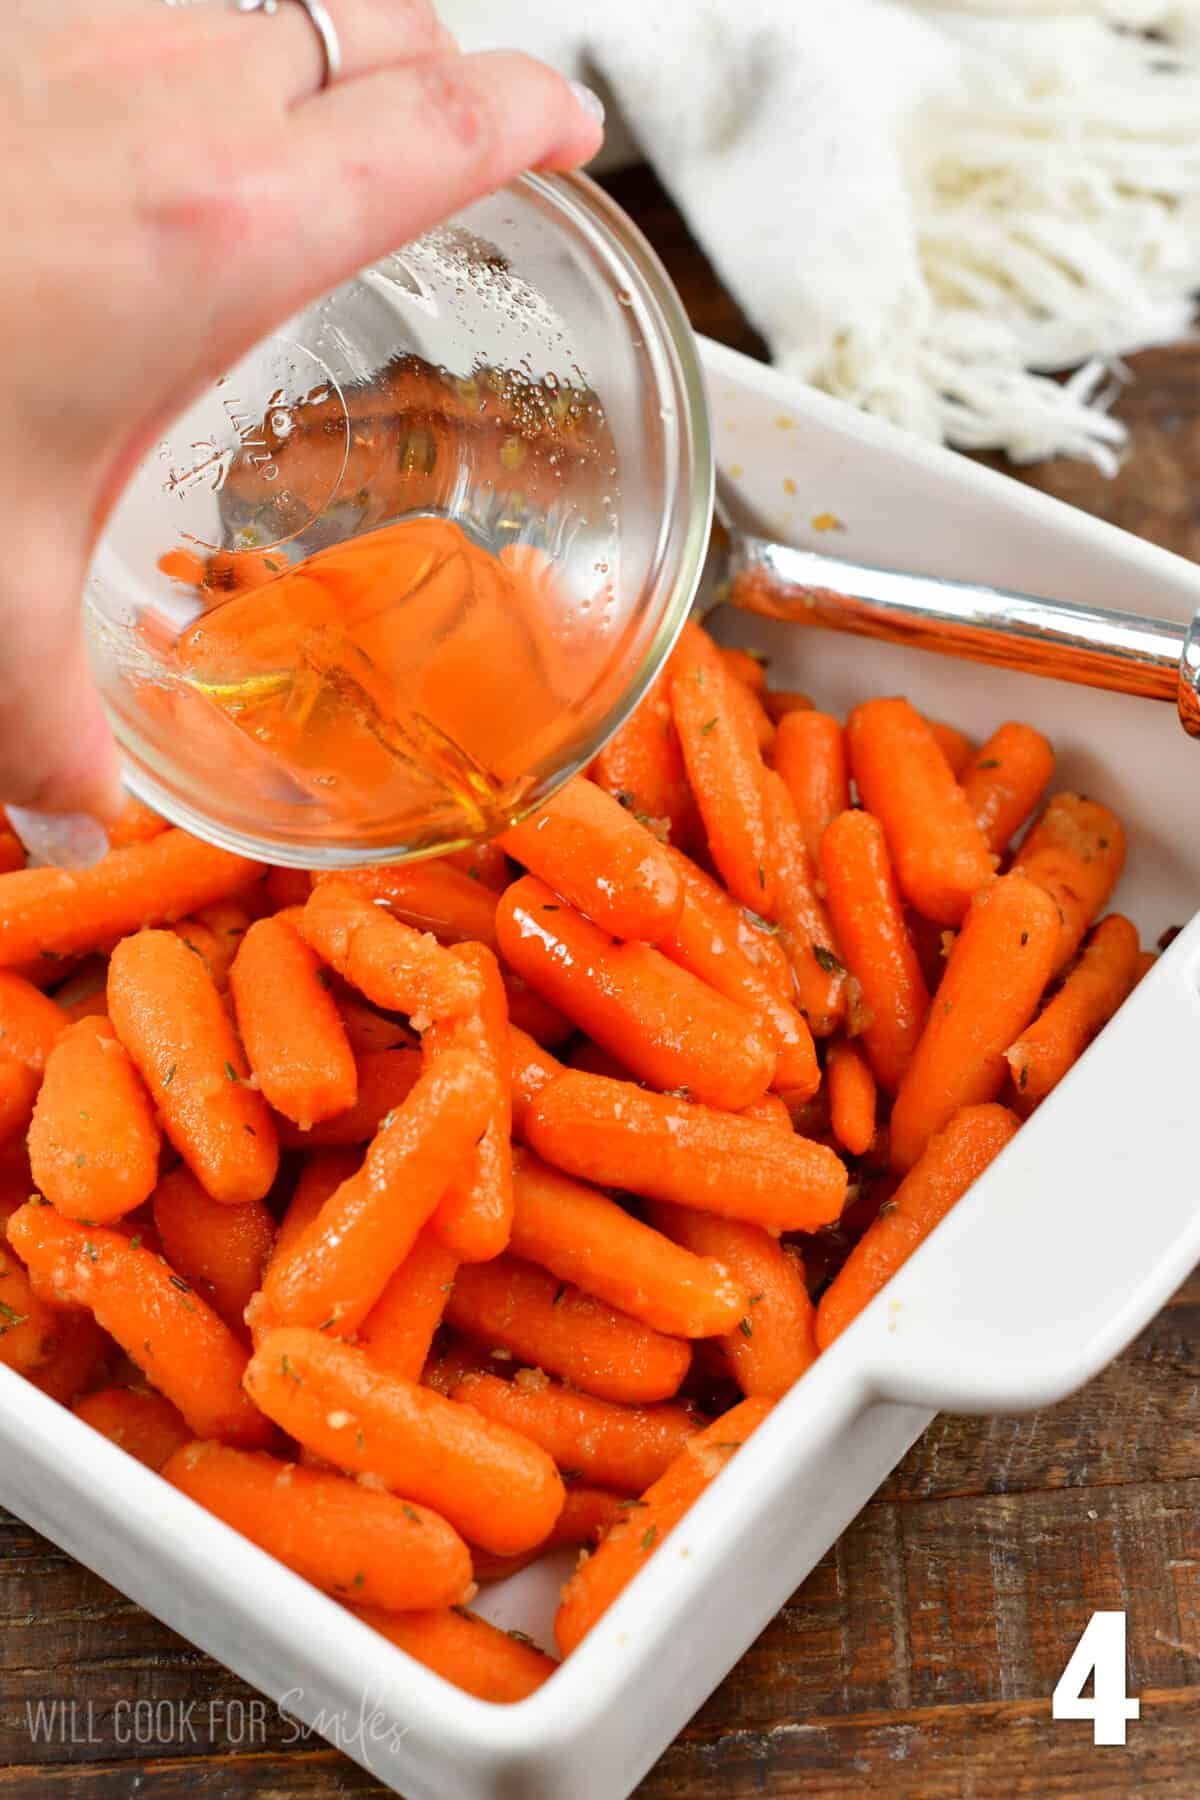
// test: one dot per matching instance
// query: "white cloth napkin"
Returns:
(923, 205)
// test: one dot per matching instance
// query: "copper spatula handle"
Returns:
(1155, 658)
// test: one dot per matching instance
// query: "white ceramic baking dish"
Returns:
(1055, 1260)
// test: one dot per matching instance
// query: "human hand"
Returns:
(174, 186)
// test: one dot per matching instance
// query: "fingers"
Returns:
(374, 162)
(285, 54)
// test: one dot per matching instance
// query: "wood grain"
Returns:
(919, 1657)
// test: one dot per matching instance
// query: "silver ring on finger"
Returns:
(322, 24)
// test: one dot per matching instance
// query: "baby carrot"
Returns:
(954, 745)
(666, 1026)
(702, 944)
(617, 1135)
(12, 852)
(533, 1015)
(804, 927)
(134, 824)
(445, 1368)
(953, 1158)
(580, 1235)
(397, 968)
(144, 1425)
(779, 702)
(1104, 975)
(642, 767)
(322, 1174)
(744, 668)
(1004, 780)
(288, 887)
(485, 863)
(384, 1079)
(497, 1488)
(940, 855)
(1001, 961)
(621, 1447)
(398, 1330)
(344, 1538)
(774, 1340)
(810, 758)
(367, 1029)
(772, 1110)
(339, 1266)
(757, 720)
(756, 937)
(171, 1019)
(31, 1023)
(220, 1249)
(532, 1069)
(860, 891)
(294, 1038)
(596, 1061)
(596, 1583)
(724, 766)
(81, 1357)
(178, 1342)
(550, 1324)
(464, 1649)
(851, 1096)
(59, 911)
(94, 1140)
(202, 942)
(1076, 851)
(431, 896)
(474, 1215)
(28, 1324)
(587, 1514)
(594, 853)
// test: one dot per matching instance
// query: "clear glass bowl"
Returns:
(526, 371)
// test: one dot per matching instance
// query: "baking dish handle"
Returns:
(1075, 1236)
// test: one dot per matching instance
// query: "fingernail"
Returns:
(589, 100)
(60, 840)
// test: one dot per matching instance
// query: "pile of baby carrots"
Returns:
(416, 1220)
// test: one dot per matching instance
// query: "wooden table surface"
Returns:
(920, 1655)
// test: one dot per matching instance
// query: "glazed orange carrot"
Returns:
(1004, 780)
(288, 887)
(779, 702)
(588, 1512)
(384, 1078)
(397, 968)
(94, 1140)
(952, 1159)
(181, 1346)
(12, 852)
(222, 1250)
(617, 1135)
(343, 1538)
(533, 1015)
(446, 1367)
(293, 1035)
(773, 1342)
(804, 927)
(171, 1019)
(756, 937)
(1076, 851)
(474, 1215)
(549, 1323)
(339, 1266)
(134, 824)
(228, 922)
(81, 1358)
(744, 667)
(702, 944)
(995, 974)
(725, 768)
(667, 1027)
(367, 1029)
(1103, 977)
(323, 1173)
(498, 1489)
(398, 1330)
(196, 936)
(31, 1023)
(182, 565)
(60, 912)
(28, 1324)
(772, 1110)
(851, 1096)
(642, 767)
(940, 855)
(755, 720)
(954, 745)
(1145, 962)
(16, 1182)
(864, 904)
(580, 1235)
(145, 1425)
(810, 758)
(596, 1583)
(464, 1649)
(621, 1447)
(596, 1061)
(598, 857)
(431, 896)
(532, 1069)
